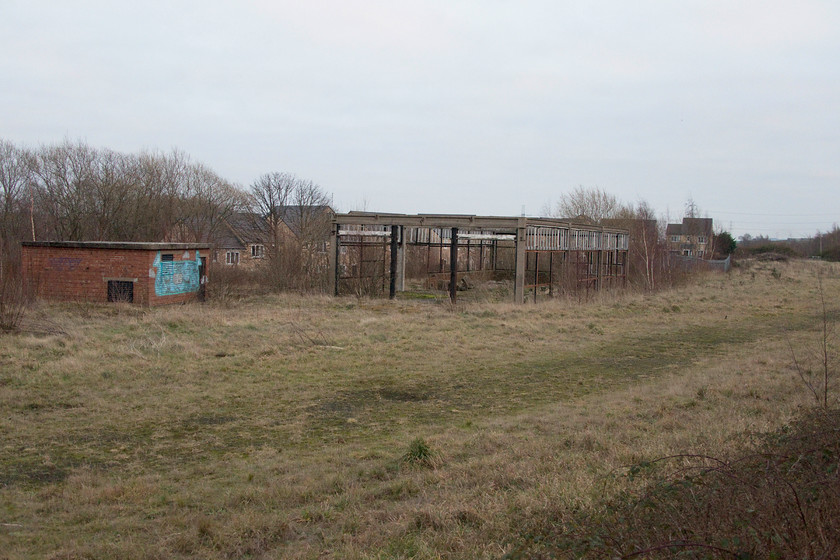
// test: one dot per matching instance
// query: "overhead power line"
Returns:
(834, 215)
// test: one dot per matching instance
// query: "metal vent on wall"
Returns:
(120, 291)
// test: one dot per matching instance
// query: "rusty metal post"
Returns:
(551, 274)
(392, 287)
(335, 259)
(519, 262)
(384, 250)
(624, 269)
(468, 254)
(599, 273)
(493, 256)
(362, 263)
(453, 265)
(429, 255)
(401, 261)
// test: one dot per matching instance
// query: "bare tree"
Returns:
(83, 193)
(63, 177)
(294, 215)
(271, 194)
(112, 189)
(207, 200)
(87, 194)
(90, 194)
(157, 194)
(14, 179)
(587, 204)
(647, 242)
(647, 249)
(691, 208)
(312, 217)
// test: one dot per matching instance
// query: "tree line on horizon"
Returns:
(71, 191)
(649, 262)
(825, 245)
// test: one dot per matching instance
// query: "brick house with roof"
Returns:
(241, 240)
(246, 238)
(694, 237)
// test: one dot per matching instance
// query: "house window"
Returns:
(675, 239)
(701, 239)
(257, 251)
(232, 257)
(167, 257)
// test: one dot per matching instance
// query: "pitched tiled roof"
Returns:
(240, 229)
(295, 216)
(691, 226)
(245, 228)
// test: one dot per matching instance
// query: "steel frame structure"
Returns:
(544, 249)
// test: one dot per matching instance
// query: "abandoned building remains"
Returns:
(368, 253)
(143, 273)
(541, 255)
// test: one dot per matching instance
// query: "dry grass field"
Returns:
(311, 427)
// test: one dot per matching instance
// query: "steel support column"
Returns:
(334, 257)
(401, 261)
(519, 277)
(453, 265)
(392, 269)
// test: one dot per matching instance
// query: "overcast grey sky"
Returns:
(454, 106)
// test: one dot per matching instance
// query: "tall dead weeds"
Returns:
(780, 499)
(816, 364)
(14, 301)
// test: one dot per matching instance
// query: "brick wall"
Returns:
(177, 255)
(82, 274)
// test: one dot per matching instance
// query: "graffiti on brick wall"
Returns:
(65, 264)
(175, 277)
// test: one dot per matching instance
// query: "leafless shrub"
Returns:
(14, 301)
(815, 365)
(293, 217)
(590, 204)
(226, 284)
(780, 500)
(294, 266)
(363, 270)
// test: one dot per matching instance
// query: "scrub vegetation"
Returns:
(289, 426)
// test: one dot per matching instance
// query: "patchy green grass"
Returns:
(279, 426)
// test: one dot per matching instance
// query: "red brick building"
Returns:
(102, 271)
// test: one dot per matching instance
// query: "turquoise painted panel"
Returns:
(176, 277)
